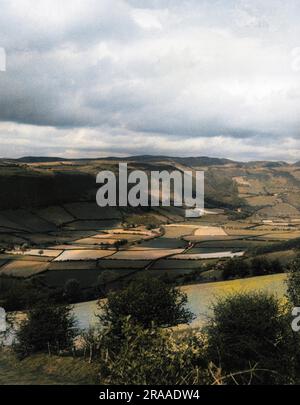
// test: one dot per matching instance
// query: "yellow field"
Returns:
(201, 296)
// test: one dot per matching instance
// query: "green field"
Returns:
(42, 369)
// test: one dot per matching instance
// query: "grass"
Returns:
(85, 254)
(169, 264)
(197, 250)
(281, 235)
(57, 215)
(43, 369)
(22, 268)
(37, 252)
(210, 231)
(29, 221)
(232, 244)
(90, 211)
(6, 238)
(210, 255)
(122, 264)
(7, 223)
(202, 296)
(86, 277)
(173, 231)
(145, 219)
(150, 254)
(262, 200)
(162, 243)
(284, 257)
(86, 225)
(73, 265)
(24, 258)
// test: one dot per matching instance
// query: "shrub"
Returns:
(48, 328)
(260, 266)
(72, 290)
(148, 301)
(293, 282)
(152, 356)
(235, 268)
(250, 330)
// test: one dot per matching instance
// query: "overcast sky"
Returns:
(89, 78)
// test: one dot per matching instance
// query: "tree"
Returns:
(24, 247)
(48, 328)
(120, 242)
(72, 290)
(251, 331)
(104, 279)
(293, 282)
(276, 266)
(148, 301)
(260, 266)
(235, 268)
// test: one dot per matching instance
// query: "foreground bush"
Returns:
(293, 282)
(153, 356)
(149, 302)
(250, 331)
(48, 328)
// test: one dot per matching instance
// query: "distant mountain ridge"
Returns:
(198, 160)
(190, 160)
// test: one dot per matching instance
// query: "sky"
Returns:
(92, 78)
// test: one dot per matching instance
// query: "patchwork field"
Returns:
(86, 254)
(210, 231)
(91, 211)
(37, 252)
(179, 230)
(161, 243)
(214, 255)
(85, 225)
(89, 246)
(23, 268)
(117, 264)
(55, 214)
(52, 231)
(147, 254)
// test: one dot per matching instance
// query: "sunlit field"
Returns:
(200, 296)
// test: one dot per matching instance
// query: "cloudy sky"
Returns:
(87, 78)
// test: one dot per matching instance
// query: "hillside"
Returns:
(52, 231)
(266, 190)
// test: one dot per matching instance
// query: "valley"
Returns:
(52, 236)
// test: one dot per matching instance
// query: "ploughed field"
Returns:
(81, 241)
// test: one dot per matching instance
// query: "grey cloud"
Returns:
(180, 71)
